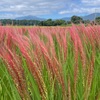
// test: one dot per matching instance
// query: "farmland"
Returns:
(50, 63)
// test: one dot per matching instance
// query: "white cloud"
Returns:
(91, 2)
(30, 7)
(82, 7)
(80, 10)
(16, 8)
(64, 12)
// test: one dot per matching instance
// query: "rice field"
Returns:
(50, 63)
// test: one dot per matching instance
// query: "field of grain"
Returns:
(50, 63)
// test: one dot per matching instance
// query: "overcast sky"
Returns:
(47, 8)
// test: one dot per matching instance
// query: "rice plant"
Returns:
(50, 63)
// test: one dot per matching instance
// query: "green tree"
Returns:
(59, 22)
(49, 22)
(97, 20)
(76, 19)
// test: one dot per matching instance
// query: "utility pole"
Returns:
(95, 15)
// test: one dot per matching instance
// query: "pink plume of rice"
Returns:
(24, 47)
(15, 69)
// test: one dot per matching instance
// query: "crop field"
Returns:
(50, 63)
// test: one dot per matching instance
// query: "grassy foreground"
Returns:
(50, 63)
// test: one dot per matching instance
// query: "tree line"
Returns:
(48, 22)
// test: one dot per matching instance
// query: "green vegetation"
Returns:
(48, 22)
(50, 63)
(19, 22)
(97, 20)
(76, 19)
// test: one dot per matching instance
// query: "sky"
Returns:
(47, 8)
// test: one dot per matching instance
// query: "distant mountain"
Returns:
(29, 17)
(66, 18)
(91, 16)
(87, 17)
